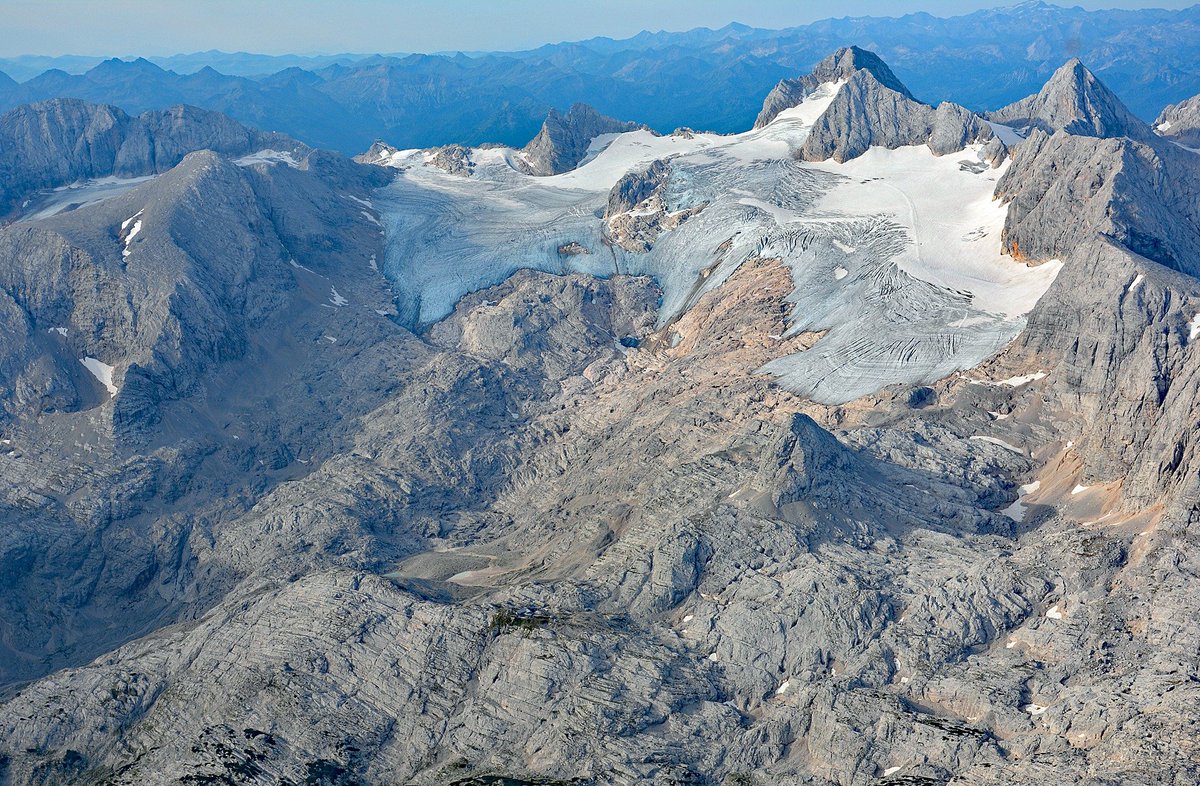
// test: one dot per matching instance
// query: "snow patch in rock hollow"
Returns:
(1014, 382)
(1164, 126)
(783, 687)
(839, 273)
(1079, 490)
(1137, 282)
(1016, 511)
(1034, 709)
(137, 227)
(102, 372)
(136, 220)
(1000, 442)
(77, 195)
(1007, 134)
(1054, 613)
(62, 331)
(336, 299)
(1194, 328)
(268, 157)
(890, 771)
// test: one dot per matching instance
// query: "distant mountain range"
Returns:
(710, 79)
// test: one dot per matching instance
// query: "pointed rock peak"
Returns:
(845, 62)
(841, 66)
(1076, 101)
(564, 139)
(866, 113)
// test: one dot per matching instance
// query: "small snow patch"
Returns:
(688, 618)
(1137, 282)
(839, 273)
(1011, 643)
(1034, 709)
(890, 771)
(125, 224)
(1079, 490)
(1000, 442)
(1015, 382)
(102, 372)
(268, 157)
(137, 227)
(336, 299)
(1053, 613)
(62, 331)
(783, 687)
(1164, 126)
(371, 218)
(330, 339)
(845, 249)
(371, 263)
(1016, 511)
(1194, 328)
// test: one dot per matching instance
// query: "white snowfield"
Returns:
(102, 372)
(86, 192)
(896, 253)
(268, 157)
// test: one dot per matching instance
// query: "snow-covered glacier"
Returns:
(896, 253)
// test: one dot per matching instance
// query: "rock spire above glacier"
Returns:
(564, 139)
(1074, 100)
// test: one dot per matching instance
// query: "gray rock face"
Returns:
(873, 108)
(841, 65)
(1181, 122)
(58, 142)
(564, 139)
(867, 113)
(1064, 189)
(1074, 100)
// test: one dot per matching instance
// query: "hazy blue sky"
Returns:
(146, 27)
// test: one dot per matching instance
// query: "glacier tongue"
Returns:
(896, 253)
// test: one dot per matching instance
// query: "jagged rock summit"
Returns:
(564, 139)
(1075, 101)
(1181, 122)
(839, 66)
(872, 108)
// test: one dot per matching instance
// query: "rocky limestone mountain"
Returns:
(1065, 187)
(58, 142)
(872, 108)
(867, 113)
(564, 139)
(1181, 122)
(1074, 100)
(838, 67)
(555, 538)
